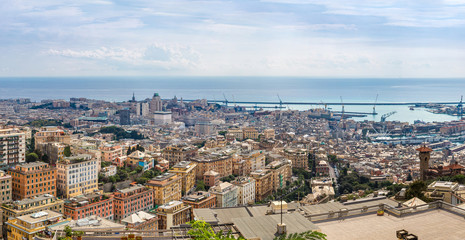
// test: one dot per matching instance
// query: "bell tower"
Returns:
(425, 154)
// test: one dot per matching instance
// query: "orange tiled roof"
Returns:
(424, 149)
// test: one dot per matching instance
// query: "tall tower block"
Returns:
(425, 154)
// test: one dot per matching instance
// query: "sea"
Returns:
(288, 89)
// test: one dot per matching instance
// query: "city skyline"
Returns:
(241, 38)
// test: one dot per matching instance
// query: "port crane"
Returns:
(225, 100)
(384, 116)
(374, 106)
(460, 107)
(280, 102)
(342, 103)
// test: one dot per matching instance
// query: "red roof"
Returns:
(454, 166)
(424, 149)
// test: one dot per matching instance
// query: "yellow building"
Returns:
(220, 164)
(77, 175)
(269, 133)
(51, 134)
(174, 213)
(187, 171)
(236, 133)
(27, 226)
(282, 172)
(5, 187)
(299, 157)
(263, 183)
(167, 188)
(250, 133)
(175, 154)
(253, 161)
(31, 205)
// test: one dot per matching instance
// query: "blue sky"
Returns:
(315, 38)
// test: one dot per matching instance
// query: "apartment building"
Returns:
(111, 152)
(51, 134)
(141, 221)
(131, 200)
(200, 199)
(54, 150)
(269, 134)
(186, 170)
(281, 171)
(226, 194)
(31, 205)
(12, 146)
(175, 154)
(174, 213)
(220, 164)
(250, 133)
(211, 178)
(94, 204)
(5, 187)
(138, 158)
(252, 161)
(263, 183)
(77, 175)
(235, 133)
(27, 226)
(167, 187)
(299, 157)
(246, 190)
(33, 179)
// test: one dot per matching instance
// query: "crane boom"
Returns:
(384, 116)
(225, 100)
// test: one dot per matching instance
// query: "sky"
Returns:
(310, 38)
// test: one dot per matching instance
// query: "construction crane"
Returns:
(374, 106)
(225, 100)
(384, 116)
(234, 100)
(460, 107)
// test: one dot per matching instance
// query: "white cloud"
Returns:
(155, 55)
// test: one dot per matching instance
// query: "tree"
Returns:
(45, 158)
(200, 186)
(202, 230)
(409, 177)
(310, 235)
(32, 157)
(67, 151)
(416, 189)
(139, 169)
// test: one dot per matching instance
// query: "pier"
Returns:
(323, 103)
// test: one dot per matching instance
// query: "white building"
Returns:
(77, 175)
(109, 171)
(12, 146)
(161, 118)
(246, 190)
(142, 109)
(226, 194)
